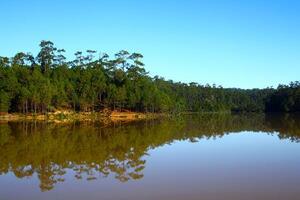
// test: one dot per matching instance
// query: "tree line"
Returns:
(92, 82)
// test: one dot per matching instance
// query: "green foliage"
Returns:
(49, 82)
(285, 99)
(4, 101)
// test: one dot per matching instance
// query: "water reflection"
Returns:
(92, 151)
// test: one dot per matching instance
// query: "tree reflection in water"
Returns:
(92, 151)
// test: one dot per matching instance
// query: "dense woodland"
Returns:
(93, 81)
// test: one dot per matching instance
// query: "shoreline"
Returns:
(71, 116)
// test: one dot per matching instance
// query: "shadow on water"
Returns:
(92, 152)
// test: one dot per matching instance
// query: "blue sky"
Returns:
(245, 44)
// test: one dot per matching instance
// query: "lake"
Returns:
(207, 156)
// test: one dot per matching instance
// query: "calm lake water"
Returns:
(207, 156)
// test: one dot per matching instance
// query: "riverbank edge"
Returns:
(70, 116)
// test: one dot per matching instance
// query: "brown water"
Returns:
(193, 157)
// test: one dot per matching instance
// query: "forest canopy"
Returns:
(93, 81)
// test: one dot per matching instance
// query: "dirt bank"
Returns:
(71, 116)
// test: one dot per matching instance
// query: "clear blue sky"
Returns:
(246, 44)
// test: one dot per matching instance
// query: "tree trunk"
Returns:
(26, 106)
